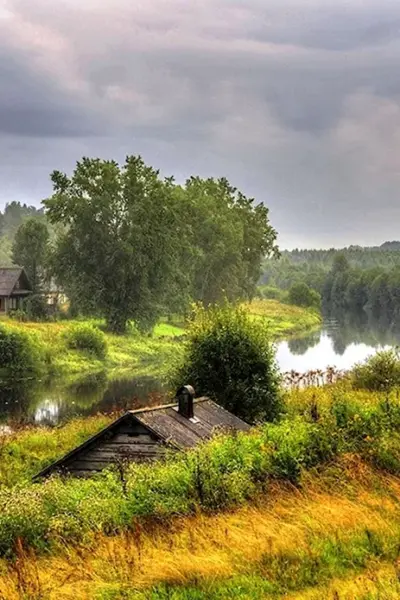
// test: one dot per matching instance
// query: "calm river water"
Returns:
(337, 344)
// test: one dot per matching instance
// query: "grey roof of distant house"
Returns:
(8, 279)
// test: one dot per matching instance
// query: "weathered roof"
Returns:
(9, 277)
(169, 425)
(142, 435)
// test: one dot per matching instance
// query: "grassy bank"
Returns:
(225, 472)
(335, 539)
(285, 320)
(153, 354)
(125, 353)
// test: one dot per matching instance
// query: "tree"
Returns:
(229, 358)
(30, 250)
(229, 236)
(121, 247)
(301, 295)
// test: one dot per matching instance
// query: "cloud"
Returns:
(296, 102)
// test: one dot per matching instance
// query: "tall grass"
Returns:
(223, 473)
(26, 450)
(287, 545)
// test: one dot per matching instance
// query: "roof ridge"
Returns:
(163, 406)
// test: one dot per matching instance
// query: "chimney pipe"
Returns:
(185, 396)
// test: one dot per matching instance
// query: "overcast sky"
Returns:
(297, 102)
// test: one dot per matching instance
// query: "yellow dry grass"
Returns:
(378, 582)
(209, 548)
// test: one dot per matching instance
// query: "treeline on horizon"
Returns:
(353, 279)
(126, 244)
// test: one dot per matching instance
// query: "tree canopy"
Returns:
(132, 245)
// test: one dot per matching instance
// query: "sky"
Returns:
(296, 102)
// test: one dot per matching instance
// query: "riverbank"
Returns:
(137, 354)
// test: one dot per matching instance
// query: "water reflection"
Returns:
(54, 402)
(344, 340)
(299, 346)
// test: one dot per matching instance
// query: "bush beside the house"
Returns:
(229, 358)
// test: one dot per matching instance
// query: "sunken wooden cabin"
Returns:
(144, 435)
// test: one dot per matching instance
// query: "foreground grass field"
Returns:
(335, 537)
(153, 354)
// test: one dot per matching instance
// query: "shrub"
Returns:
(301, 295)
(381, 372)
(36, 308)
(20, 354)
(88, 339)
(228, 357)
(271, 293)
(18, 315)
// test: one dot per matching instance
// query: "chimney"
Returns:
(185, 397)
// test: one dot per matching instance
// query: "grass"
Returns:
(152, 354)
(336, 538)
(305, 509)
(284, 319)
(125, 354)
(217, 475)
(27, 450)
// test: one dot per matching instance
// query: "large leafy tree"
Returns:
(230, 236)
(120, 249)
(30, 250)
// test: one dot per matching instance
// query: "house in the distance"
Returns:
(144, 435)
(14, 288)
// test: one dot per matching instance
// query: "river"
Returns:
(338, 344)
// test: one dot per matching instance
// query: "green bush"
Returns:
(228, 357)
(18, 315)
(301, 295)
(381, 372)
(88, 339)
(271, 293)
(20, 354)
(36, 308)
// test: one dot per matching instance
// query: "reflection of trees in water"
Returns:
(132, 393)
(15, 399)
(299, 346)
(349, 328)
(52, 403)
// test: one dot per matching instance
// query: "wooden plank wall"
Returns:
(131, 442)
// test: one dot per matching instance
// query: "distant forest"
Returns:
(352, 279)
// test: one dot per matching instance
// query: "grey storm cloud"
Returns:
(295, 101)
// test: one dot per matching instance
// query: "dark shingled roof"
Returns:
(144, 434)
(9, 277)
(169, 425)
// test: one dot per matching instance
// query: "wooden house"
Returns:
(14, 288)
(144, 435)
